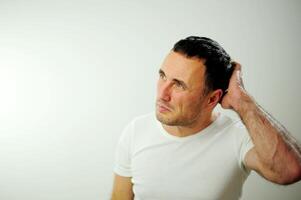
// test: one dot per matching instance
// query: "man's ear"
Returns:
(215, 97)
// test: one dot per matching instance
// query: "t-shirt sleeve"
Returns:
(122, 165)
(246, 144)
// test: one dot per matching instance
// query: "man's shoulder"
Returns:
(144, 121)
(235, 128)
(232, 122)
(142, 127)
(138, 124)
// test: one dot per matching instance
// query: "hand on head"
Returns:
(235, 89)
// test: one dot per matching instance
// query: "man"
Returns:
(186, 151)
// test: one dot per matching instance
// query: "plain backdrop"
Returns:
(74, 73)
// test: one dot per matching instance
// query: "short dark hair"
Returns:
(216, 60)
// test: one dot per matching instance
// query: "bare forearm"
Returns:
(276, 149)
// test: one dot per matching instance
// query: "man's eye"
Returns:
(179, 85)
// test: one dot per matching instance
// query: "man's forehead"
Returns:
(177, 63)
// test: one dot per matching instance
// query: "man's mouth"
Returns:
(163, 108)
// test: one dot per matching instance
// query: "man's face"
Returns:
(180, 97)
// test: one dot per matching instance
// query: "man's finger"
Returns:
(236, 65)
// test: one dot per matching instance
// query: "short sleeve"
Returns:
(246, 144)
(122, 165)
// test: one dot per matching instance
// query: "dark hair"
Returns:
(217, 61)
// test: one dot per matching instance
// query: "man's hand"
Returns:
(235, 92)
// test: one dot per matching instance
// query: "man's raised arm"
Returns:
(276, 155)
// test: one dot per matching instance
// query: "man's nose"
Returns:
(165, 91)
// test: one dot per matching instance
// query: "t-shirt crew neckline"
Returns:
(199, 134)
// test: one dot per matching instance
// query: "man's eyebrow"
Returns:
(161, 72)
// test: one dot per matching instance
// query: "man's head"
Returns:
(192, 79)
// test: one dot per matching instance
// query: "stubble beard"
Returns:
(172, 119)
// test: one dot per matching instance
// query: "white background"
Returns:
(74, 73)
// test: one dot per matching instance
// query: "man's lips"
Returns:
(163, 107)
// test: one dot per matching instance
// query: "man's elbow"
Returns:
(293, 176)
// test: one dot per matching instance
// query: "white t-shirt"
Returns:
(203, 166)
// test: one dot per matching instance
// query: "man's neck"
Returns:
(183, 131)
